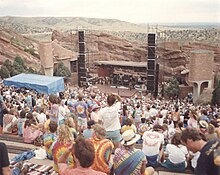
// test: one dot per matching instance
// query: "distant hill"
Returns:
(41, 28)
(25, 25)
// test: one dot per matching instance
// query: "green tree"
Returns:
(171, 88)
(18, 68)
(216, 95)
(4, 73)
(62, 70)
(7, 63)
(20, 61)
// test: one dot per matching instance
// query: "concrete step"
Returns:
(9, 137)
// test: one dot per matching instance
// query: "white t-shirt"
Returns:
(164, 112)
(110, 118)
(151, 142)
(146, 114)
(176, 154)
(153, 112)
(94, 116)
(42, 118)
(194, 159)
(160, 121)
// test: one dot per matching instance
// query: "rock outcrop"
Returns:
(173, 56)
(12, 45)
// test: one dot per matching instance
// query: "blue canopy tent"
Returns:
(40, 83)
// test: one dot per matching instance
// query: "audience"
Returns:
(162, 123)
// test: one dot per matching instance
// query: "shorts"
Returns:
(152, 160)
(114, 136)
(82, 122)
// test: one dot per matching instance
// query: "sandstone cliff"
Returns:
(13, 44)
(172, 55)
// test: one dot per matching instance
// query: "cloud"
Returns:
(127, 10)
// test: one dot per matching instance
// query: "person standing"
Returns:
(109, 117)
(4, 160)
(81, 113)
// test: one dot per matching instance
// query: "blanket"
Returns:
(35, 169)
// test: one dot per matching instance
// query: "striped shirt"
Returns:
(128, 161)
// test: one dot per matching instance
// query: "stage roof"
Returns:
(121, 63)
(40, 83)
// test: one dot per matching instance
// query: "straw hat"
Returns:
(203, 124)
(129, 138)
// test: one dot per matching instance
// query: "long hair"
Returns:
(64, 134)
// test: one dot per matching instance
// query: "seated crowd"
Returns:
(90, 132)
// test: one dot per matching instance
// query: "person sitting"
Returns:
(70, 123)
(87, 133)
(42, 116)
(129, 160)
(31, 130)
(208, 162)
(128, 125)
(210, 135)
(103, 149)
(10, 122)
(144, 126)
(63, 142)
(177, 154)
(84, 154)
(153, 141)
(49, 138)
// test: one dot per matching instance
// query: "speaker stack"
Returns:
(152, 67)
(82, 73)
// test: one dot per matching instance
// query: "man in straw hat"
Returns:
(129, 160)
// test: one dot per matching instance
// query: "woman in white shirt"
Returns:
(177, 155)
(192, 122)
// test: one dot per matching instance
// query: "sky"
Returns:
(135, 11)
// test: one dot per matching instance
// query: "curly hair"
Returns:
(84, 152)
